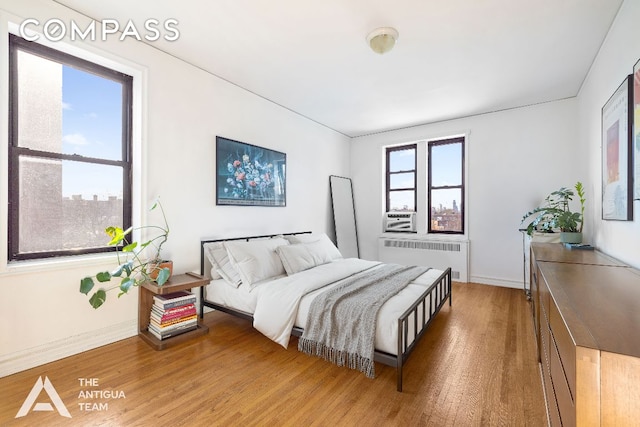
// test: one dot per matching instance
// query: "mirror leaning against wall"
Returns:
(344, 216)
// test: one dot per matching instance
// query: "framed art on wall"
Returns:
(248, 175)
(617, 191)
(636, 130)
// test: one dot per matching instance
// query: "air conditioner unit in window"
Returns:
(400, 221)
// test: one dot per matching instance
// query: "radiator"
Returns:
(438, 254)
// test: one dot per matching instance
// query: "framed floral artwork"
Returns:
(248, 175)
(617, 154)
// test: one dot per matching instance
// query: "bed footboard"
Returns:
(421, 313)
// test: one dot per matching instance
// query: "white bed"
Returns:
(273, 280)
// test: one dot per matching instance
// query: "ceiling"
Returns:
(454, 58)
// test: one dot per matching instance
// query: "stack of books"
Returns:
(173, 314)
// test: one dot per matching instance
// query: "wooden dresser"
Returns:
(586, 312)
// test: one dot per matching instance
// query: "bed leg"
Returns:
(400, 353)
(448, 284)
(201, 302)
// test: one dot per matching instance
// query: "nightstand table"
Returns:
(178, 282)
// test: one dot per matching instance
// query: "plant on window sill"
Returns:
(134, 269)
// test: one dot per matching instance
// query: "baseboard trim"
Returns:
(496, 282)
(55, 350)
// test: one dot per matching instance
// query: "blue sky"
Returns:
(91, 126)
(446, 171)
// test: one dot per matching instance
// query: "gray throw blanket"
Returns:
(341, 326)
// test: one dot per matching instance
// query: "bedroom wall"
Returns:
(614, 62)
(43, 317)
(516, 157)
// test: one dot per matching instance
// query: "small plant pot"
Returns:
(154, 269)
(569, 237)
(545, 237)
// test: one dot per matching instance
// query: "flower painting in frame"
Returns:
(636, 130)
(617, 154)
(248, 175)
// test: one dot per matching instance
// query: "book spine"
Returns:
(161, 335)
(167, 321)
(164, 336)
(175, 315)
(163, 312)
(173, 303)
(175, 325)
(169, 298)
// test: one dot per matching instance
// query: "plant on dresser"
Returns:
(555, 214)
(134, 267)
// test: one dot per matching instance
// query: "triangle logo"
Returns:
(30, 401)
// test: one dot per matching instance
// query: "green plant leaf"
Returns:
(111, 231)
(163, 276)
(122, 268)
(86, 285)
(118, 271)
(126, 284)
(103, 276)
(98, 298)
(130, 247)
(116, 234)
(127, 267)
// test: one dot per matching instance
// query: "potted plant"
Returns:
(134, 267)
(556, 214)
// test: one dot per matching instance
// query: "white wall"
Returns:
(43, 317)
(614, 62)
(515, 157)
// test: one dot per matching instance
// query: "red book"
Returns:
(167, 317)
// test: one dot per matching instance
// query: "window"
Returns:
(401, 178)
(69, 152)
(446, 186)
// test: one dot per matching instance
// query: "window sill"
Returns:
(56, 264)
(424, 236)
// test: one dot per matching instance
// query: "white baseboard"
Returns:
(497, 282)
(49, 352)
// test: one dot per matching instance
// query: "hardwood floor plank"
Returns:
(475, 366)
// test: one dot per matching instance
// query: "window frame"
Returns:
(388, 189)
(430, 187)
(15, 152)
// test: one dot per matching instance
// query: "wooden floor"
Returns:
(476, 366)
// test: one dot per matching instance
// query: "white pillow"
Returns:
(304, 238)
(208, 253)
(256, 260)
(219, 259)
(303, 256)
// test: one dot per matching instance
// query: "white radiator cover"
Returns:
(427, 252)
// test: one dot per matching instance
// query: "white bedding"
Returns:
(279, 304)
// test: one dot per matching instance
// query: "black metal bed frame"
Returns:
(420, 313)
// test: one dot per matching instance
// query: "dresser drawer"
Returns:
(543, 291)
(545, 337)
(552, 406)
(565, 346)
(564, 398)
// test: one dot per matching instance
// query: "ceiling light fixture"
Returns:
(381, 40)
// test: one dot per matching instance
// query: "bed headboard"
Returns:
(204, 260)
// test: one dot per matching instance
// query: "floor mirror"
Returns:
(344, 216)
